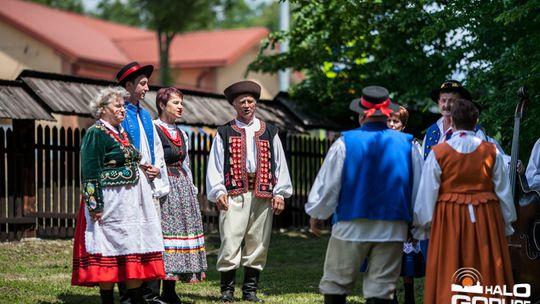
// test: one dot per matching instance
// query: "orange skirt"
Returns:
(91, 269)
(456, 242)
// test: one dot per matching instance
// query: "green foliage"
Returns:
(411, 47)
(119, 11)
(75, 6)
(241, 15)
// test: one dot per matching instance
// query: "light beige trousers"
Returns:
(343, 262)
(249, 221)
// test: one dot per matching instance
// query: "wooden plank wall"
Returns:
(57, 180)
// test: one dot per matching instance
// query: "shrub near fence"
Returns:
(57, 181)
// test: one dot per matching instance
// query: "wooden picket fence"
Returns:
(50, 209)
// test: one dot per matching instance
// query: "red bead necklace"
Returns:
(124, 141)
(176, 141)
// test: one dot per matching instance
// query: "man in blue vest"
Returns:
(138, 124)
(368, 179)
(444, 96)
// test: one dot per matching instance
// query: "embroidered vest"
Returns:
(377, 174)
(433, 134)
(235, 156)
(105, 162)
(174, 152)
(131, 125)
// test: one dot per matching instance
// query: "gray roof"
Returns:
(72, 95)
(16, 102)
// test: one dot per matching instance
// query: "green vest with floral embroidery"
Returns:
(107, 160)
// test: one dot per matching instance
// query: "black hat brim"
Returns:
(357, 107)
(146, 70)
(464, 93)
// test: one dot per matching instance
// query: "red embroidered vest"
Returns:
(235, 157)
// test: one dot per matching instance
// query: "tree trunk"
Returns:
(164, 41)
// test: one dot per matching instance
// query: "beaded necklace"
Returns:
(176, 141)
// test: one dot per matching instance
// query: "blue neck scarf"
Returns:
(131, 125)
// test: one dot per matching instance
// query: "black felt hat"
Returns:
(374, 102)
(451, 86)
(242, 87)
(132, 70)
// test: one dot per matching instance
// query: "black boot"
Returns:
(409, 293)
(334, 299)
(169, 294)
(107, 296)
(227, 285)
(378, 301)
(136, 296)
(251, 281)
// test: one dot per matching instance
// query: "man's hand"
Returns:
(222, 202)
(152, 172)
(315, 226)
(278, 204)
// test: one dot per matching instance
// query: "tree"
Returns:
(119, 11)
(75, 6)
(343, 45)
(166, 17)
(410, 47)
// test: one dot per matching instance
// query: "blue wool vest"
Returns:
(377, 175)
(432, 137)
(131, 125)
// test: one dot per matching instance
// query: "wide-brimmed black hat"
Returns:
(451, 86)
(132, 70)
(374, 102)
(242, 87)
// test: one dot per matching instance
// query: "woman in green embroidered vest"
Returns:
(183, 238)
(118, 235)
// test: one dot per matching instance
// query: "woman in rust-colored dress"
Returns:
(465, 206)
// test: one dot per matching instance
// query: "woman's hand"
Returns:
(96, 216)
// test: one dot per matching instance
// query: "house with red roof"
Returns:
(46, 39)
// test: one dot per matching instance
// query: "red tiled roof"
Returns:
(196, 49)
(91, 39)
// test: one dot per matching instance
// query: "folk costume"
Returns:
(126, 244)
(368, 179)
(138, 124)
(533, 167)
(181, 221)
(465, 206)
(246, 162)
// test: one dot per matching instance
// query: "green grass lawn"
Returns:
(39, 271)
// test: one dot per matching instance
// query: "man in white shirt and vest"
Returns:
(368, 180)
(248, 180)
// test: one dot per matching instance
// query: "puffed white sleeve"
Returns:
(161, 183)
(501, 183)
(324, 195)
(426, 198)
(283, 187)
(533, 167)
(215, 185)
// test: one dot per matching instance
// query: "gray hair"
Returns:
(104, 97)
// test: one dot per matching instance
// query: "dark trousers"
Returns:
(150, 291)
